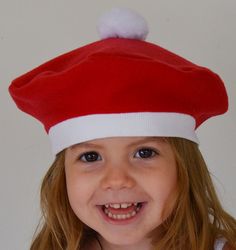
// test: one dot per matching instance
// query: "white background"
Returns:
(31, 32)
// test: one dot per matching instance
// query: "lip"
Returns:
(123, 221)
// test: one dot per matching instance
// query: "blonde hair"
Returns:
(195, 222)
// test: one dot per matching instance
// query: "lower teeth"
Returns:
(122, 216)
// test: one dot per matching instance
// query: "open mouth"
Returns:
(122, 211)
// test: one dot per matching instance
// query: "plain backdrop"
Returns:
(31, 32)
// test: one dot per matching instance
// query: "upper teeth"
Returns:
(121, 205)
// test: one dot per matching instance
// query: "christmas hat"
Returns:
(120, 85)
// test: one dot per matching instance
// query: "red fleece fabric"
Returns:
(118, 75)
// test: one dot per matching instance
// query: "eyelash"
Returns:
(93, 152)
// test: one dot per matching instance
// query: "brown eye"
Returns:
(89, 157)
(146, 153)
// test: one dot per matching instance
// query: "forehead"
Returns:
(126, 141)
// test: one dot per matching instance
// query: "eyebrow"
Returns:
(90, 144)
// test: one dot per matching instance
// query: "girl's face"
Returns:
(138, 172)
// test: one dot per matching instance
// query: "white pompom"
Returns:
(122, 23)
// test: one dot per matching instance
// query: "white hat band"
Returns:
(89, 127)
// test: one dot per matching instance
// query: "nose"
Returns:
(117, 177)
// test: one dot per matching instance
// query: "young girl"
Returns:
(121, 114)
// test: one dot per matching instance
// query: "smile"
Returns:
(121, 213)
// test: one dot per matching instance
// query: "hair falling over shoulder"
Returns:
(59, 228)
(196, 221)
(198, 218)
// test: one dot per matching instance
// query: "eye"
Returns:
(146, 153)
(89, 157)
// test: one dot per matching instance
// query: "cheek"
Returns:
(78, 189)
(164, 190)
(163, 180)
(169, 196)
(164, 193)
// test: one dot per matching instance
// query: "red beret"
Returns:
(119, 86)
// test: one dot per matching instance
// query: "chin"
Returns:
(123, 240)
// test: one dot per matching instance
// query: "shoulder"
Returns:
(222, 244)
(228, 247)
